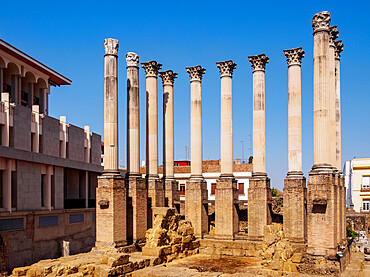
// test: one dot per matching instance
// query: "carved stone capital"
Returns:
(226, 68)
(321, 21)
(294, 56)
(132, 59)
(111, 46)
(195, 73)
(168, 77)
(333, 34)
(338, 49)
(258, 62)
(151, 68)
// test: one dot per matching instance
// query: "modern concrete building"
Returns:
(48, 168)
(357, 183)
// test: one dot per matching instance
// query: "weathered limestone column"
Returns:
(196, 194)
(155, 185)
(295, 190)
(338, 51)
(338, 133)
(172, 193)
(226, 194)
(322, 193)
(259, 192)
(136, 184)
(110, 107)
(111, 194)
(333, 35)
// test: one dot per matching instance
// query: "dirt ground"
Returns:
(203, 265)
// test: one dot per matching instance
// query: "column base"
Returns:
(111, 217)
(196, 206)
(322, 212)
(226, 208)
(137, 219)
(295, 220)
(259, 211)
(172, 194)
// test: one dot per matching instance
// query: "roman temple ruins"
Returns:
(141, 213)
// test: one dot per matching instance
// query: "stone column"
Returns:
(31, 87)
(322, 193)
(338, 50)
(137, 187)
(133, 122)
(331, 57)
(338, 134)
(259, 192)
(111, 194)
(110, 107)
(172, 193)
(7, 179)
(226, 194)
(321, 89)
(155, 185)
(38, 130)
(295, 190)
(196, 194)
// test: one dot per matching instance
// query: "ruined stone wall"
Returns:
(42, 233)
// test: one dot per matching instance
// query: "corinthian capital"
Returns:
(168, 77)
(195, 73)
(294, 56)
(132, 59)
(151, 68)
(321, 21)
(333, 34)
(258, 62)
(111, 46)
(226, 68)
(338, 48)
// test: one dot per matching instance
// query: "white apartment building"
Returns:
(357, 182)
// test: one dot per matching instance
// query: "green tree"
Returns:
(250, 159)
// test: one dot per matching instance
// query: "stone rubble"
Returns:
(170, 237)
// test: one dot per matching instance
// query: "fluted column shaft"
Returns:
(338, 50)
(333, 35)
(196, 128)
(294, 57)
(259, 136)
(196, 142)
(151, 71)
(321, 95)
(110, 107)
(133, 123)
(226, 71)
(168, 78)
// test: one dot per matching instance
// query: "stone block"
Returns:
(277, 264)
(296, 258)
(117, 260)
(290, 267)
(226, 208)
(259, 197)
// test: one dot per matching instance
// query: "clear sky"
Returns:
(68, 36)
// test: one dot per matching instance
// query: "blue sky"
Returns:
(68, 36)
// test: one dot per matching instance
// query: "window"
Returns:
(43, 190)
(241, 188)
(182, 189)
(213, 188)
(366, 205)
(365, 182)
(24, 99)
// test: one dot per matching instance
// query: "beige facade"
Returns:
(47, 166)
